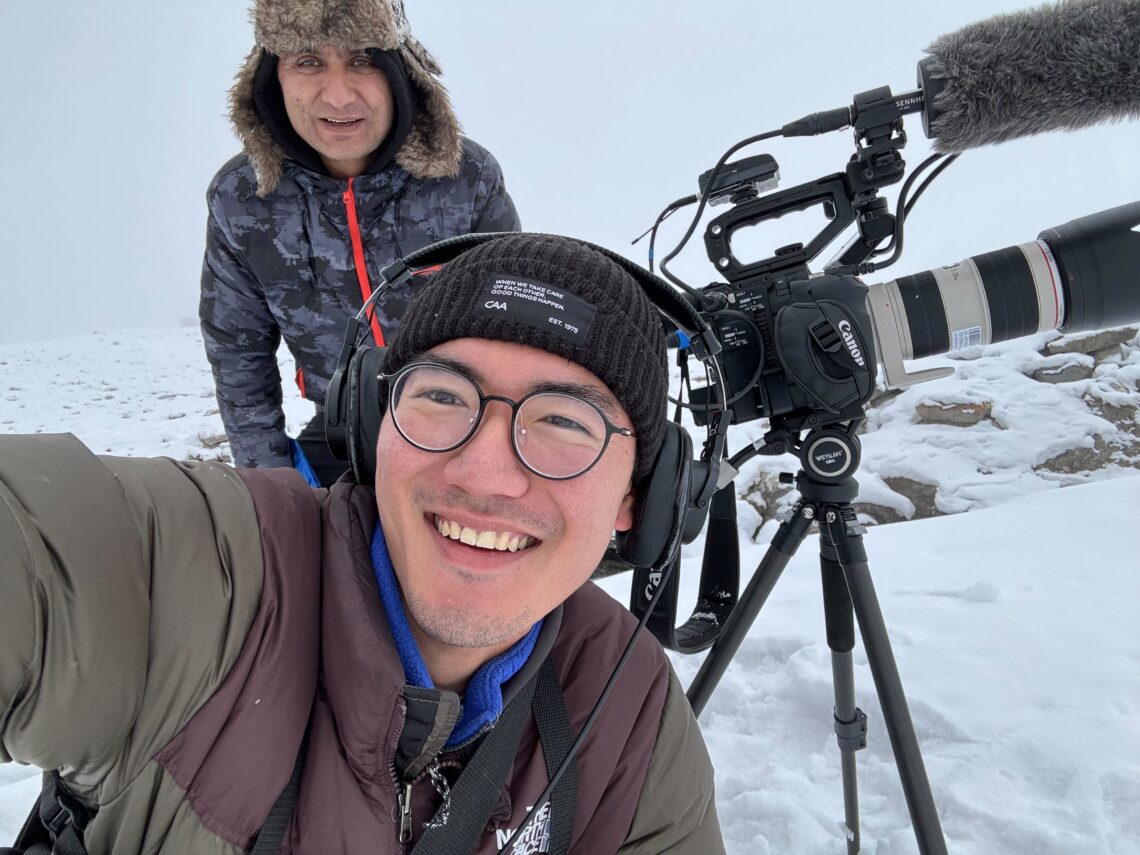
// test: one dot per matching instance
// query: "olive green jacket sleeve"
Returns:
(95, 555)
(677, 809)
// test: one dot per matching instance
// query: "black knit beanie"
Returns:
(558, 295)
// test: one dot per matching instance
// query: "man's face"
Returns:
(339, 103)
(470, 596)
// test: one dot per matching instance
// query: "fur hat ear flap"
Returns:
(433, 147)
(257, 140)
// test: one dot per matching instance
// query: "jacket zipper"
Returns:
(358, 261)
(404, 799)
(403, 790)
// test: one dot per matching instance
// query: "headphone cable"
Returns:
(576, 744)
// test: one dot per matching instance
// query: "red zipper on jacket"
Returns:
(358, 260)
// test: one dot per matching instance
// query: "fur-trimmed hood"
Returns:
(433, 145)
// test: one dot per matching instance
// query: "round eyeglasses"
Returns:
(553, 434)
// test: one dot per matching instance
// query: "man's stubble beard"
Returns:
(464, 629)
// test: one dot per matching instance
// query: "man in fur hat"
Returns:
(352, 158)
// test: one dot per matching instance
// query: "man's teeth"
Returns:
(341, 121)
(503, 541)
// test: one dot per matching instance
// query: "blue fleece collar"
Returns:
(483, 700)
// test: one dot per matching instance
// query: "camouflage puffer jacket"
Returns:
(297, 263)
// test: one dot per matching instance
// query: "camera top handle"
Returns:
(848, 197)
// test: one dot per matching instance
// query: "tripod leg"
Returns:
(850, 722)
(847, 536)
(784, 545)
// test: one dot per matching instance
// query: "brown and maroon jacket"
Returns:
(168, 630)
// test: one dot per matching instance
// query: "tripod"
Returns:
(830, 457)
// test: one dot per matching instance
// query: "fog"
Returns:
(600, 113)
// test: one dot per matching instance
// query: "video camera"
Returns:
(801, 348)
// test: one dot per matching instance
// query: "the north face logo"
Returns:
(535, 840)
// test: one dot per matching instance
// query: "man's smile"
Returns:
(501, 541)
(341, 123)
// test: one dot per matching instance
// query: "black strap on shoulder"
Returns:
(281, 814)
(553, 722)
(476, 792)
(55, 825)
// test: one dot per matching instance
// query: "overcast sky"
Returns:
(600, 113)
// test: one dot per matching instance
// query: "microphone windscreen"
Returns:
(1061, 66)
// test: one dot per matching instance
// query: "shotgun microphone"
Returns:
(1057, 67)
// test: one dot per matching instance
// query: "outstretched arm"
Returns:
(73, 608)
(126, 589)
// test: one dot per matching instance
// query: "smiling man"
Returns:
(340, 103)
(412, 656)
(352, 156)
(482, 548)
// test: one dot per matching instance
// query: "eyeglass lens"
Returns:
(554, 434)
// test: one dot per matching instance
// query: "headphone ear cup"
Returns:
(364, 410)
(659, 516)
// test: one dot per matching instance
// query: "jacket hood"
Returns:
(432, 146)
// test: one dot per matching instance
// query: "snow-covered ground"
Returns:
(1014, 626)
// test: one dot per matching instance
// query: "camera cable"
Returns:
(701, 209)
(903, 208)
(544, 797)
(669, 210)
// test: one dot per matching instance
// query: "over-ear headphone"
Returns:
(674, 499)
